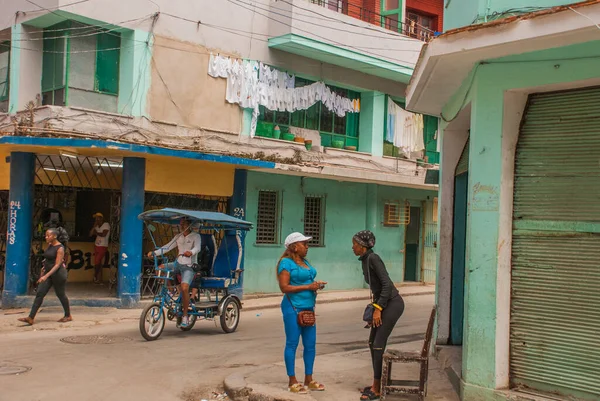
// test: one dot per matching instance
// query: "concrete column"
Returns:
(485, 180)
(130, 253)
(25, 68)
(20, 214)
(372, 116)
(246, 122)
(237, 208)
(453, 142)
(135, 72)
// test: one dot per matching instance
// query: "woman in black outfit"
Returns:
(54, 273)
(387, 302)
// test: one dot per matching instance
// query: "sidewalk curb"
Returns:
(236, 387)
(277, 301)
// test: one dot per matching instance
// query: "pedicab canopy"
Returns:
(208, 220)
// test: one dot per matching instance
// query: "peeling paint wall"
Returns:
(182, 92)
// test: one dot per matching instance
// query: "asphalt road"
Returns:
(180, 365)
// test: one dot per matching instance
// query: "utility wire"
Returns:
(239, 4)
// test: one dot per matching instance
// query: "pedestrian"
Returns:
(101, 231)
(387, 303)
(54, 274)
(297, 282)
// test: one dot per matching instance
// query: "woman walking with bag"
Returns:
(54, 274)
(387, 306)
(297, 282)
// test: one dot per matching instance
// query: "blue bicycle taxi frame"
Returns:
(218, 282)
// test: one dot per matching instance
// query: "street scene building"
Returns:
(516, 87)
(292, 118)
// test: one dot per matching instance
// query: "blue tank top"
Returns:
(300, 276)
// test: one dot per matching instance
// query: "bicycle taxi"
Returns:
(218, 278)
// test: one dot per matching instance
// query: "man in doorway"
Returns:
(101, 231)
(188, 245)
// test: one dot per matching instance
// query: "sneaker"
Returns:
(185, 322)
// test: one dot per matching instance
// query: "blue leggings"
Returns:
(293, 331)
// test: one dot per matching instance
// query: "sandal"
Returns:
(369, 395)
(298, 389)
(65, 319)
(27, 320)
(315, 386)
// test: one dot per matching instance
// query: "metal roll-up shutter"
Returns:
(555, 305)
(463, 162)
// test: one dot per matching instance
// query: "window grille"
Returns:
(267, 225)
(314, 219)
(396, 214)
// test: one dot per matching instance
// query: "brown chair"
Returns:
(408, 387)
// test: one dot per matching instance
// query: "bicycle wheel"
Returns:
(152, 322)
(230, 317)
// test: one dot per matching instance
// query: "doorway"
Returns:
(459, 239)
(412, 236)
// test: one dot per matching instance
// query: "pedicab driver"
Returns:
(188, 244)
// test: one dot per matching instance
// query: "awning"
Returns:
(446, 62)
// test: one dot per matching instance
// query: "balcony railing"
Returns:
(407, 27)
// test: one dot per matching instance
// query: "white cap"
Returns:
(295, 237)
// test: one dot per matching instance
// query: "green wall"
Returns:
(486, 90)
(459, 13)
(349, 207)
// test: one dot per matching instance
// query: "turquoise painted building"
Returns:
(332, 212)
(117, 109)
(518, 273)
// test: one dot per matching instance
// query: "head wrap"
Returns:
(365, 238)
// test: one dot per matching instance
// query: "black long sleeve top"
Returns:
(381, 284)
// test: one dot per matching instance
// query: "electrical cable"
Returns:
(239, 4)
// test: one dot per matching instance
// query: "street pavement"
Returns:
(187, 366)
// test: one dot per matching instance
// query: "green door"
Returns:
(555, 303)
(459, 248)
(413, 233)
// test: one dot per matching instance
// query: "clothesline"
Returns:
(252, 84)
(404, 129)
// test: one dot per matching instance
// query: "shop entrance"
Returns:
(69, 190)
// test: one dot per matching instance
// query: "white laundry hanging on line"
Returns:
(408, 130)
(251, 84)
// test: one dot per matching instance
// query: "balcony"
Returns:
(347, 36)
(389, 21)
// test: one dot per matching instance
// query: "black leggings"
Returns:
(59, 281)
(379, 335)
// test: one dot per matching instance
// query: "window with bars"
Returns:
(314, 219)
(267, 221)
(396, 214)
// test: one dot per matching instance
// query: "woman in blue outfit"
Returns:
(297, 282)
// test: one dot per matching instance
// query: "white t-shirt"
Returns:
(102, 241)
(191, 242)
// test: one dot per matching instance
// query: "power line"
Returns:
(78, 28)
(337, 20)
(239, 4)
(250, 34)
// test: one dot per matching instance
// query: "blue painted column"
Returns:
(130, 254)
(237, 208)
(20, 214)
